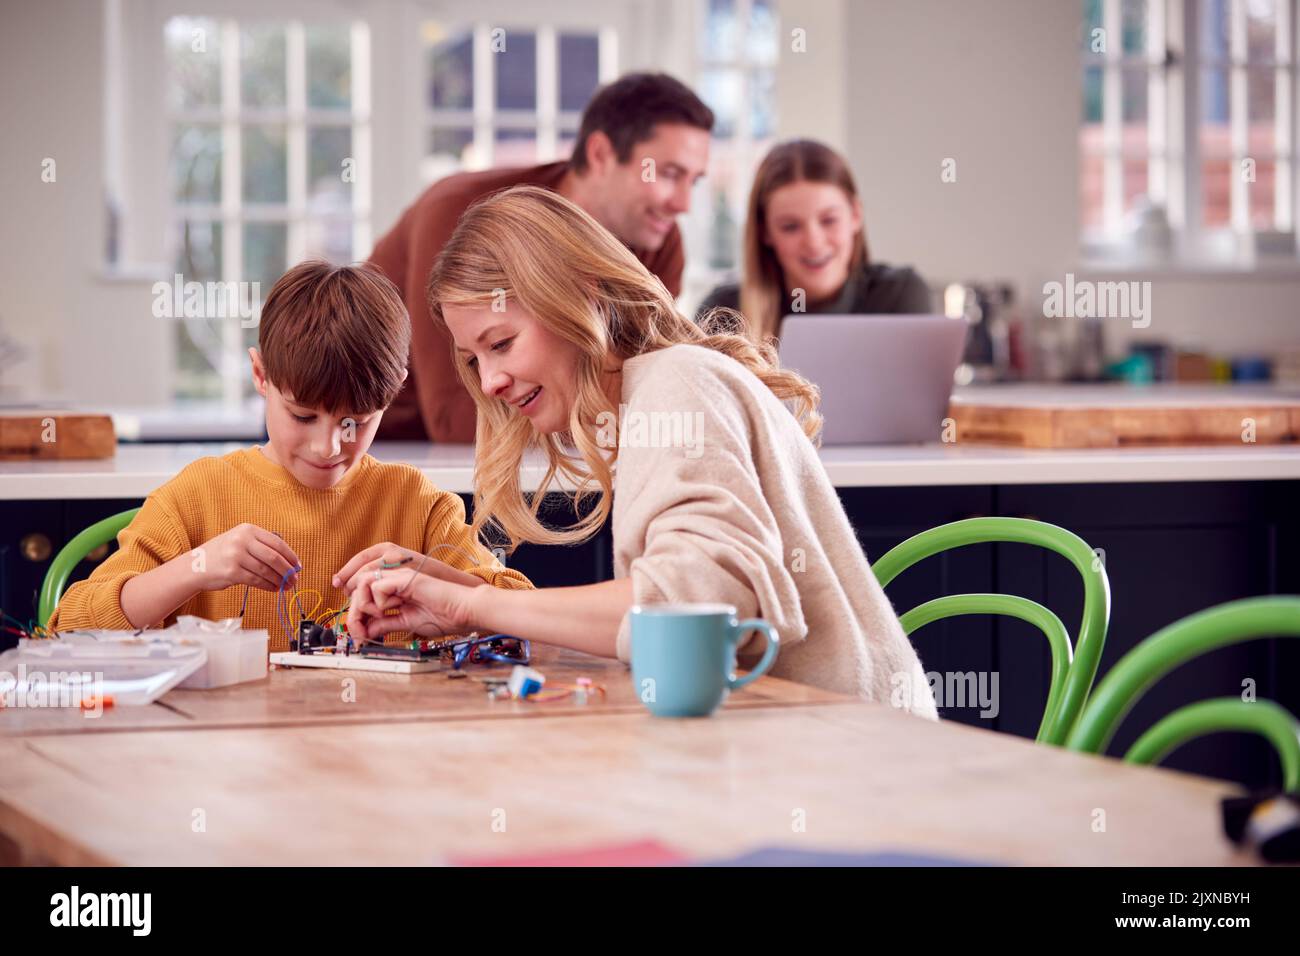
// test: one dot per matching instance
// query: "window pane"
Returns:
(515, 147)
(194, 62)
(720, 90)
(1259, 192)
(579, 69)
(1261, 31)
(264, 253)
(1216, 191)
(762, 100)
(198, 251)
(1091, 186)
(761, 40)
(564, 144)
(196, 164)
(329, 65)
(265, 177)
(329, 238)
(516, 67)
(451, 143)
(1135, 180)
(197, 343)
(261, 65)
(1134, 25)
(1091, 21)
(721, 30)
(1092, 94)
(1214, 107)
(1134, 83)
(327, 149)
(1215, 29)
(195, 376)
(1260, 91)
(451, 67)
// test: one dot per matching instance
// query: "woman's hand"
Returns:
(426, 605)
(384, 555)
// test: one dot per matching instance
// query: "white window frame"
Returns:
(640, 35)
(548, 121)
(1173, 129)
(295, 117)
(701, 277)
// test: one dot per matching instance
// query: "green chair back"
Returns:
(1135, 673)
(1073, 671)
(73, 553)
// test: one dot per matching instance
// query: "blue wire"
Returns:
(279, 608)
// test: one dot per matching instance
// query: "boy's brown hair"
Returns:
(335, 337)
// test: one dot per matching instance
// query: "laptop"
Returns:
(884, 378)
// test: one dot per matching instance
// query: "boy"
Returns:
(331, 356)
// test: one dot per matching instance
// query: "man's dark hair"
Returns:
(628, 110)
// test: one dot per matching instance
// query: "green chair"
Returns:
(73, 553)
(1135, 673)
(1071, 680)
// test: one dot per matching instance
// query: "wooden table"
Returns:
(861, 777)
(306, 696)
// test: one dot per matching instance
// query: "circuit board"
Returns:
(356, 662)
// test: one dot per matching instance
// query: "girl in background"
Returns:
(804, 234)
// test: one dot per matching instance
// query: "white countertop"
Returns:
(138, 469)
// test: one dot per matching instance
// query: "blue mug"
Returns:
(684, 656)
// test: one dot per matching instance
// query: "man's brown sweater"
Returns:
(433, 404)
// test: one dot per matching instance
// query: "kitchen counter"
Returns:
(139, 469)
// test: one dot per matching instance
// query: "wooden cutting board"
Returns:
(41, 436)
(1083, 416)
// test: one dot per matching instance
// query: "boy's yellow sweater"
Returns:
(374, 502)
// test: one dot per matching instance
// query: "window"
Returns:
(501, 96)
(269, 148)
(736, 77)
(1190, 105)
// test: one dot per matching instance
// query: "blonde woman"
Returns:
(568, 344)
(805, 246)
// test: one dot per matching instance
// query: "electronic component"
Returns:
(524, 681)
(312, 637)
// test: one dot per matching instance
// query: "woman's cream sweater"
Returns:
(720, 497)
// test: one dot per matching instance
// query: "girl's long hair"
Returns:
(532, 245)
(762, 287)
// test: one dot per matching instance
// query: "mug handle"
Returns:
(769, 655)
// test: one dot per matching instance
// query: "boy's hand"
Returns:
(363, 565)
(247, 554)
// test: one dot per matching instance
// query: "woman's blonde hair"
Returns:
(534, 246)
(762, 287)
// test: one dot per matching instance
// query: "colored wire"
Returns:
(324, 620)
(244, 607)
(550, 694)
(315, 607)
(280, 605)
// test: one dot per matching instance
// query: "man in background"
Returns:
(642, 145)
